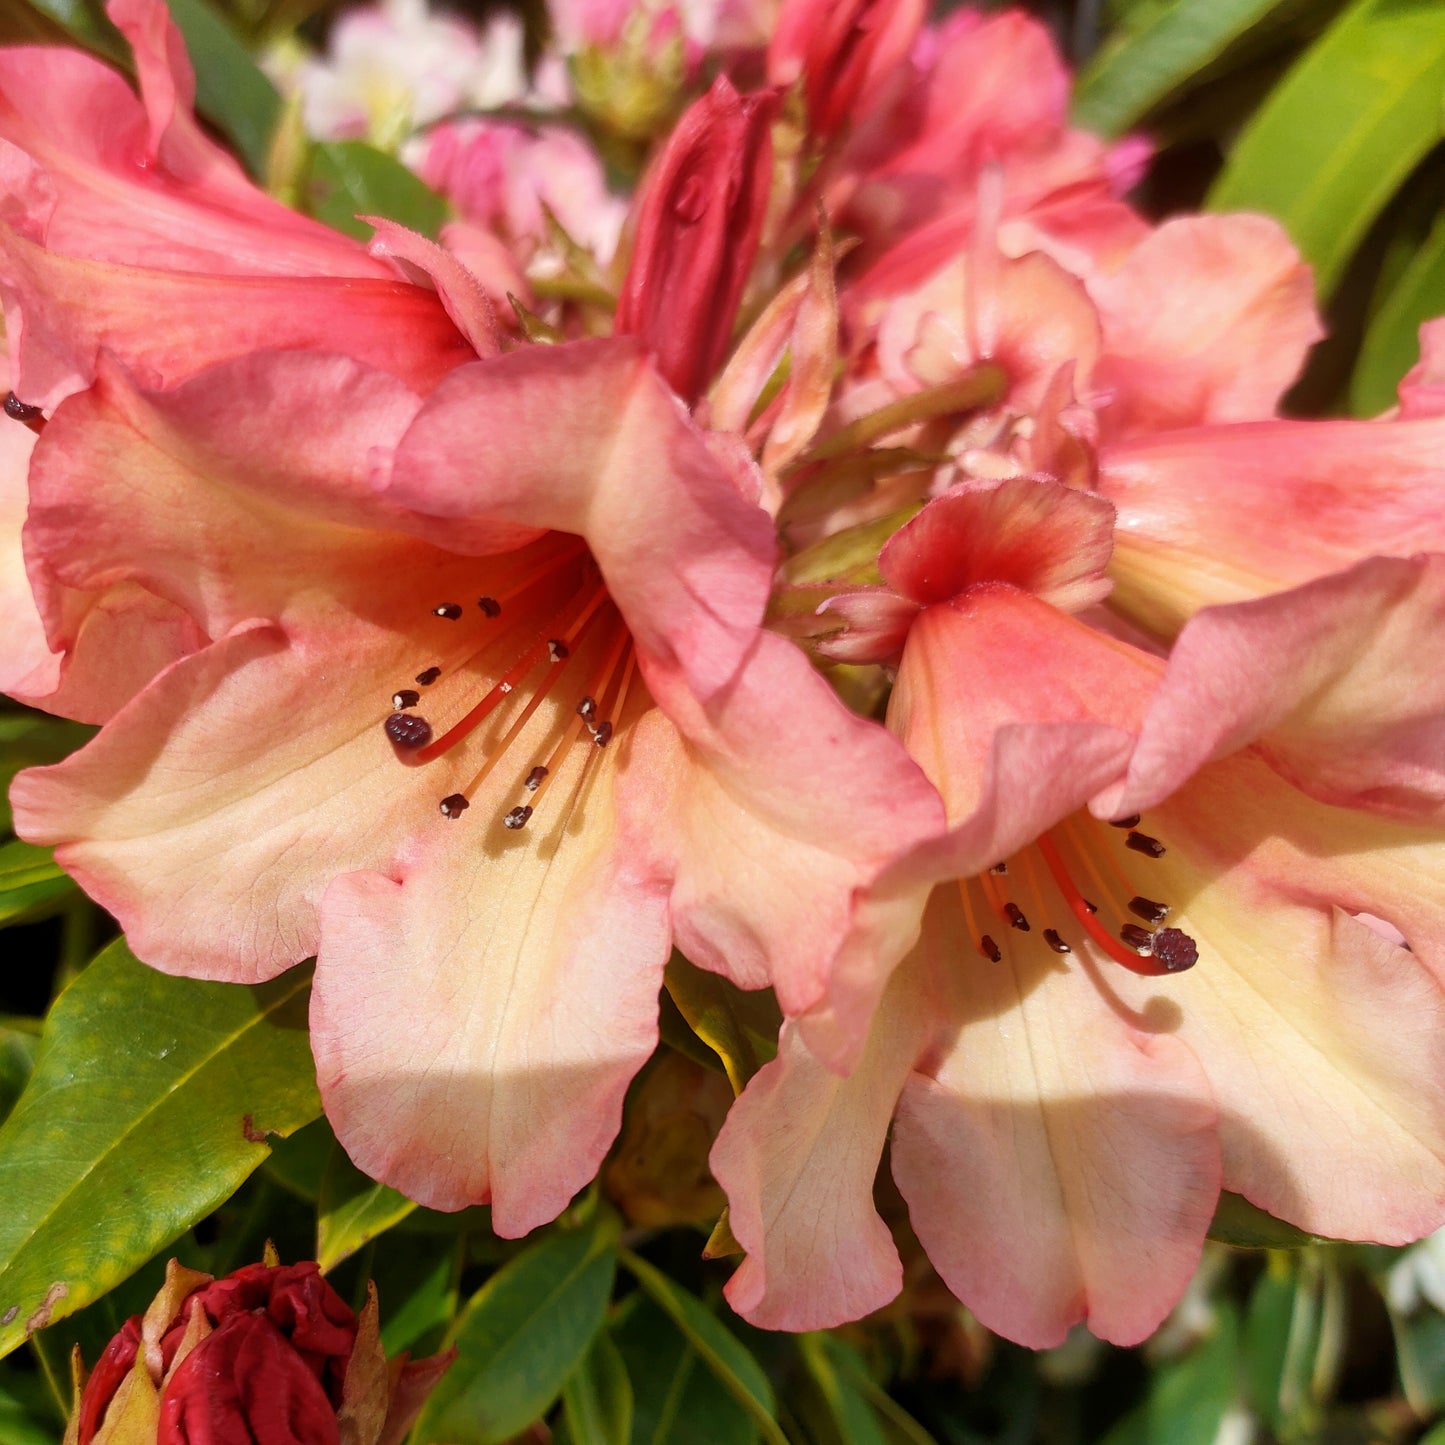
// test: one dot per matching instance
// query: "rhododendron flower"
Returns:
(1060, 1124)
(469, 698)
(270, 1354)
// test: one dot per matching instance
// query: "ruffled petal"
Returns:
(1223, 514)
(1223, 347)
(1060, 1163)
(1335, 681)
(587, 439)
(1324, 1040)
(480, 1007)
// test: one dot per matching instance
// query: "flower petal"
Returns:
(1324, 1041)
(1060, 1164)
(480, 1010)
(461, 293)
(1222, 346)
(1334, 681)
(585, 438)
(1222, 514)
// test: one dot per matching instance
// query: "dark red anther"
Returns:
(1175, 950)
(454, 805)
(1051, 937)
(407, 730)
(517, 818)
(1143, 843)
(405, 698)
(1148, 910)
(490, 606)
(556, 649)
(534, 778)
(1092, 907)
(450, 610)
(24, 413)
(602, 734)
(1132, 821)
(1137, 938)
(1015, 916)
(999, 868)
(587, 710)
(989, 949)
(429, 676)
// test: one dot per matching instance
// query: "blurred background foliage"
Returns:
(145, 1116)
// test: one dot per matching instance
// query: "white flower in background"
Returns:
(393, 67)
(1418, 1275)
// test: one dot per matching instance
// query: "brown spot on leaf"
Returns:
(249, 1129)
(41, 1317)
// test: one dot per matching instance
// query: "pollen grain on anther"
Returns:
(517, 818)
(21, 411)
(990, 949)
(1139, 939)
(1054, 941)
(1015, 916)
(999, 869)
(408, 730)
(429, 676)
(602, 734)
(534, 778)
(1175, 949)
(490, 606)
(449, 610)
(454, 805)
(1143, 843)
(1148, 909)
(406, 697)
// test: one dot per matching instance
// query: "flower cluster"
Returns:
(478, 617)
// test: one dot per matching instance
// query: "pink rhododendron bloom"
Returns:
(473, 703)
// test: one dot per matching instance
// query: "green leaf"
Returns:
(521, 1335)
(231, 89)
(721, 1350)
(349, 178)
(1340, 133)
(1159, 47)
(677, 1400)
(29, 740)
(86, 21)
(351, 1210)
(847, 1414)
(19, 1041)
(1188, 1397)
(1247, 1226)
(19, 1426)
(898, 1425)
(740, 1026)
(597, 1398)
(150, 1102)
(30, 879)
(1392, 342)
(416, 1281)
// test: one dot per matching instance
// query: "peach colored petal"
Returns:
(1422, 392)
(617, 463)
(1222, 514)
(1060, 1164)
(797, 1157)
(167, 326)
(1322, 1038)
(1335, 681)
(1209, 319)
(481, 1007)
(27, 664)
(770, 808)
(461, 293)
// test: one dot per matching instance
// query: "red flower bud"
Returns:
(270, 1355)
(842, 49)
(699, 221)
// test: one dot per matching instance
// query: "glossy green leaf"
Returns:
(720, 1349)
(231, 89)
(150, 1102)
(1158, 47)
(416, 1277)
(1344, 128)
(1246, 1226)
(1392, 341)
(31, 882)
(597, 1398)
(740, 1026)
(521, 1335)
(349, 178)
(19, 1042)
(351, 1210)
(677, 1400)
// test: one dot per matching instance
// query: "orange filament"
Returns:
(507, 684)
